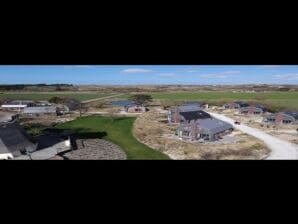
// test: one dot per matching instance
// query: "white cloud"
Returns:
(269, 66)
(169, 74)
(135, 70)
(220, 75)
(230, 72)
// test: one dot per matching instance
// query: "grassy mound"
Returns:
(118, 131)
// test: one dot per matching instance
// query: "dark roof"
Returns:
(187, 108)
(260, 106)
(214, 125)
(14, 138)
(241, 103)
(192, 103)
(195, 115)
(293, 114)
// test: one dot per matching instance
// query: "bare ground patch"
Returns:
(152, 129)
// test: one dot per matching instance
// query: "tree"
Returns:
(141, 99)
(56, 100)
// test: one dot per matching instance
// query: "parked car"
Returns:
(237, 122)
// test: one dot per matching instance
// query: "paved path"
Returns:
(280, 149)
(5, 116)
(102, 98)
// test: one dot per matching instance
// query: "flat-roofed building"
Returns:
(46, 110)
(17, 105)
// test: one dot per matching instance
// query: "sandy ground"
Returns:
(281, 149)
(5, 116)
(158, 134)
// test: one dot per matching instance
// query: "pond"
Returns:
(121, 103)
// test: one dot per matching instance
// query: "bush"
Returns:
(56, 100)
(141, 99)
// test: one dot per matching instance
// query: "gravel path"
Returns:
(95, 149)
(280, 149)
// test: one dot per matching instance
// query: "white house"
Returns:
(17, 105)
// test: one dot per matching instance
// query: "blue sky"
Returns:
(134, 75)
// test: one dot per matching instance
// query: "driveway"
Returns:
(5, 116)
(280, 149)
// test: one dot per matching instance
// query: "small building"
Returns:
(194, 103)
(134, 108)
(46, 110)
(282, 118)
(14, 141)
(43, 103)
(72, 104)
(235, 105)
(174, 115)
(209, 129)
(252, 109)
(17, 105)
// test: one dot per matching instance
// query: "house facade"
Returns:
(134, 108)
(235, 105)
(209, 129)
(44, 110)
(252, 110)
(282, 118)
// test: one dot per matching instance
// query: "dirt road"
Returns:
(280, 149)
(101, 98)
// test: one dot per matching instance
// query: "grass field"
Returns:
(47, 96)
(118, 131)
(275, 100)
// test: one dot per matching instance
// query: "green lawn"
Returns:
(226, 95)
(47, 96)
(118, 131)
(274, 100)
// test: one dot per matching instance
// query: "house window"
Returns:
(185, 133)
(286, 121)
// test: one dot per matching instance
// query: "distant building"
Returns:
(46, 110)
(252, 110)
(17, 104)
(14, 141)
(194, 103)
(209, 129)
(134, 108)
(282, 118)
(72, 104)
(43, 103)
(174, 115)
(235, 105)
